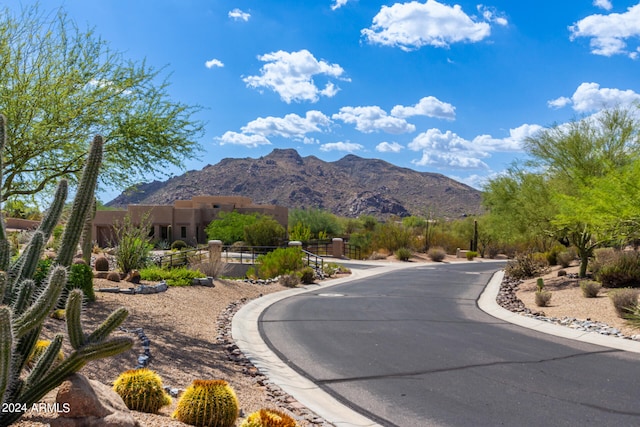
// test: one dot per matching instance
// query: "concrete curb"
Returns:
(487, 303)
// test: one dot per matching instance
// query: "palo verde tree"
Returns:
(566, 161)
(61, 85)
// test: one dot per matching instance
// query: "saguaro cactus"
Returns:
(26, 305)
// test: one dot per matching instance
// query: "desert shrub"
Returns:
(329, 269)
(621, 271)
(471, 255)
(590, 289)
(181, 276)
(81, 277)
(113, 276)
(525, 266)
(307, 275)
(178, 245)
(392, 236)
(265, 231)
(436, 254)
(133, 249)
(602, 257)
(552, 254)
(403, 254)
(625, 301)
(542, 298)
(210, 268)
(280, 261)
(565, 258)
(289, 280)
(376, 255)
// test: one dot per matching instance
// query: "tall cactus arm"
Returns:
(72, 315)
(45, 362)
(3, 143)
(3, 284)
(30, 258)
(6, 341)
(55, 210)
(81, 203)
(86, 243)
(5, 252)
(113, 321)
(36, 313)
(23, 296)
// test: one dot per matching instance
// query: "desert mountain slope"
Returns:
(351, 186)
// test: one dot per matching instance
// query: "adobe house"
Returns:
(185, 220)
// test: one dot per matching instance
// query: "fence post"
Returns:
(295, 243)
(337, 248)
(215, 250)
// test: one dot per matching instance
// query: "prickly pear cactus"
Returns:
(141, 390)
(24, 304)
(208, 403)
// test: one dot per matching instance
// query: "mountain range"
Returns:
(349, 187)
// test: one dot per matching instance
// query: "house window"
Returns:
(183, 232)
(164, 232)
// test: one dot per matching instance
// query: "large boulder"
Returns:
(91, 404)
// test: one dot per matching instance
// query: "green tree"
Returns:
(61, 85)
(229, 226)
(318, 221)
(266, 231)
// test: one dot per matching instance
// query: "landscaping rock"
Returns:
(91, 404)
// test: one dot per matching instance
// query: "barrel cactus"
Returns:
(208, 403)
(269, 418)
(101, 263)
(39, 349)
(141, 390)
(26, 303)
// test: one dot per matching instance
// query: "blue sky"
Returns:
(435, 86)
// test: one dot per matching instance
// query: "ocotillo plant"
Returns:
(26, 305)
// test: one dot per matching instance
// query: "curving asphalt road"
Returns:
(412, 348)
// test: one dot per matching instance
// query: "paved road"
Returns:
(411, 348)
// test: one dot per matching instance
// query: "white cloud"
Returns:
(290, 74)
(235, 138)
(591, 97)
(448, 149)
(289, 126)
(604, 4)
(213, 63)
(490, 14)
(238, 15)
(413, 25)
(450, 160)
(389, 147)
(373, 119)
(337, 4)
(428, 106)
(341, 146)
(561, 102)
(609, 33)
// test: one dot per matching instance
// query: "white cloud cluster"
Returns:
(373, 119)
(290, 126)
(238, 15)
(610, 33)
(428, 106)
(235, 138)
(413, 25)
(290, 74)
(604, 4)
(448, 149)
(337, 4)
(590, 97)
(349, 147)
(213, 63)
(490, 14)
(389, 147)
